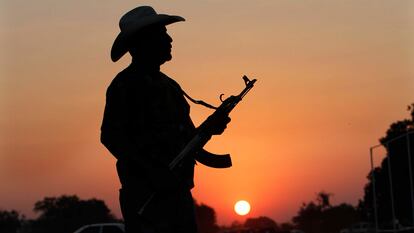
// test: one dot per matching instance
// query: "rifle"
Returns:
(203, 136)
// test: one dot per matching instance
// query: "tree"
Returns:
(261, 222)
(309, 218)
(206, 218)
(286, 226)
(337, 217)
(323, 217)
(323, 199)
(10, 221)
(67, 213)
(397, 145)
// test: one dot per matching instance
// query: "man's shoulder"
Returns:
(121, 79)
(171, 81)
(127, 80)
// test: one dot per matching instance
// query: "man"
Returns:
(146, 124)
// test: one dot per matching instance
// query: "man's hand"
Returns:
(216, 124)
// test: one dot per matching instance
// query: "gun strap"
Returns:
(198, 101)
(179, 89)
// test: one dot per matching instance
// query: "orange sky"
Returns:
(332, 76)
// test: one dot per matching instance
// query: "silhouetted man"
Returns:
(146, 124)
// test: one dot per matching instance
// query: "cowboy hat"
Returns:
(132, 22)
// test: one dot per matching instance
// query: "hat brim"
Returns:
(120, 47)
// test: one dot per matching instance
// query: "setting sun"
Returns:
(242, 207)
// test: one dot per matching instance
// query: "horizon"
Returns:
(332, 77)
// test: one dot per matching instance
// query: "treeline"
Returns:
(65, 214)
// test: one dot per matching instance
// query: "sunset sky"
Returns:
(332, 76)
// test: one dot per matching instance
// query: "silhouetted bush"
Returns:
(322, 217)
(65, 214)
(206, 219)
(10, 221)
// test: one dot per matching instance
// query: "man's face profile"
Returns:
(152, 44)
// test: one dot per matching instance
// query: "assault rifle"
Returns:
(202, 136)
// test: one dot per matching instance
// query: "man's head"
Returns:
(144, 35)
